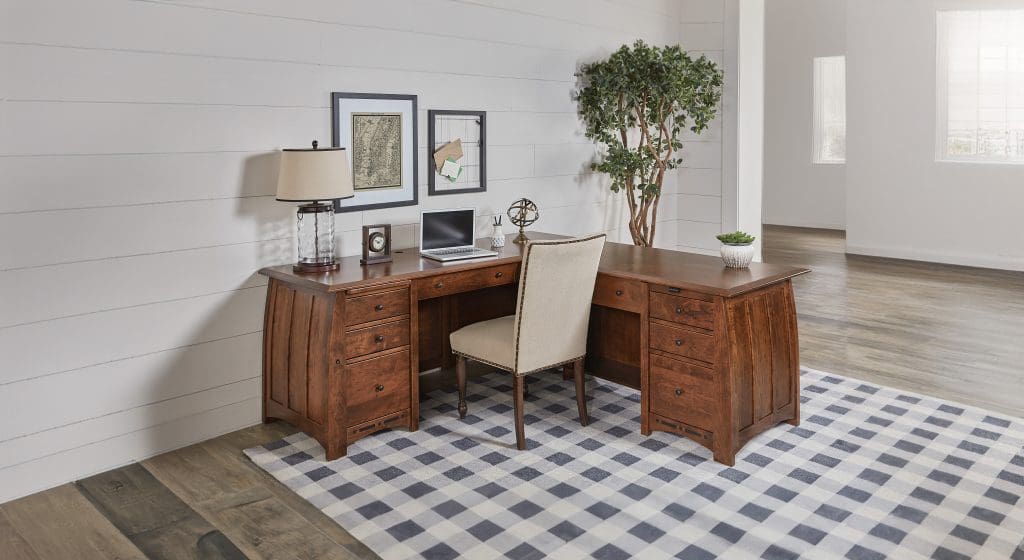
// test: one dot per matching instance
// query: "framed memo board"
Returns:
(460, 139)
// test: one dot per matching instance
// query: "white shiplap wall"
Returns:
(137, 177)
(699, 215)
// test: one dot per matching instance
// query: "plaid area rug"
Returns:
(871, 472)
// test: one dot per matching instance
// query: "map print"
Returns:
(376, 150)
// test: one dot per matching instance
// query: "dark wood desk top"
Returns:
(690, 271)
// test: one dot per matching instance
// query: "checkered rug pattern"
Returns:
(871, 472)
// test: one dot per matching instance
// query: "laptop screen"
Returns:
(447, 228)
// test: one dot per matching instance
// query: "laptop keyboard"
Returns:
(452, 251)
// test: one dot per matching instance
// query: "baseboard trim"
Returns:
(976, 261)
(803, 224)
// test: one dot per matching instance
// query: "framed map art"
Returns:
(378, 131)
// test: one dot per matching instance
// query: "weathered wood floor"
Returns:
(952, 332)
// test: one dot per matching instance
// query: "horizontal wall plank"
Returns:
(699, 208)
(143, 26)
(699, 234)
(702, 155)
(62, 345)
(39, 128)
(51, 292)
(80, 462)
(44, 403)
(72, 74)
(86, 432)
(95, 233)
(700, 181)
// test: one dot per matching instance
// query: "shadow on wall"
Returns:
(213, 385)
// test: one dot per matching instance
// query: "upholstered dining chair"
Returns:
(549, 329)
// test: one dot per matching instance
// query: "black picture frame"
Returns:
(413, 141)
(432, 116)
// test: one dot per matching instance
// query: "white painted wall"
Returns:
(900, 201)
(137, 178)
(743, 118)
(702, 31)
(797, 191)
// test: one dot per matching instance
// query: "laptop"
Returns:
(447, 235)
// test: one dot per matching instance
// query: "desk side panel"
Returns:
(296, 355)
(764, 369)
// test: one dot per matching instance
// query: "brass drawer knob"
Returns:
(378, 388)
(379, 338)
(618, 292)
(499, 274)
(439, 285)
(679, 392)
(379, 307)
(674, 290)
(679, 311)
(337, 362)
(679, 342)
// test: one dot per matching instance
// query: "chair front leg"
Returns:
(581, 391)
(517, 390)
(460, 377)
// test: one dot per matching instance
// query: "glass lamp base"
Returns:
(316, 238)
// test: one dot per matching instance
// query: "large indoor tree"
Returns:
(637, 103)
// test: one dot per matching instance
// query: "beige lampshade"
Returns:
(311, 175)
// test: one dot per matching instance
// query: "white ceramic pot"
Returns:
(737, 256)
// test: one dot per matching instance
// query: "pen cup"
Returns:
(497, 237)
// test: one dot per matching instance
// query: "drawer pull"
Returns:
(679, 342)
(679, 311)
(337, 362)
(499, 274)
(679, 392)
(674, 290)
(618, 292)
(379, 307)
(379, 338)
(439, 285)
(378, 388)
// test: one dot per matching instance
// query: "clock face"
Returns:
(376, 242)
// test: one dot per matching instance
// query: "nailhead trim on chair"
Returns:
(522, 292)
(504, 368)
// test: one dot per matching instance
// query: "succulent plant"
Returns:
(736, 238)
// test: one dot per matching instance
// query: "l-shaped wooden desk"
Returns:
(713, 350)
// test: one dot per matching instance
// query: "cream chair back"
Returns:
(556, 287)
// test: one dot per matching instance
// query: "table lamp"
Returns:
(317, 178)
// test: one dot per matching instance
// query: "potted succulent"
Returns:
(737, 249)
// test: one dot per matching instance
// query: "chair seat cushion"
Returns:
(487, 341)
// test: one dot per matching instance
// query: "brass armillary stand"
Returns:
(522, 213)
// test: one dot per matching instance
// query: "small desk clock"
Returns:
(376, 244)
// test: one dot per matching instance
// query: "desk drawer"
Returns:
(683, 342)
(679, 309)
(619, 293)
(373, 307)
(683, 392)
(361, 342)
(377, 386)
(466, 281)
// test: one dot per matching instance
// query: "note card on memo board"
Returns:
(460, 136)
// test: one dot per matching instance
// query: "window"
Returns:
(980, 75)
(830, 109)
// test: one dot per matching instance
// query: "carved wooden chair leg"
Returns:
(517, 391)
(460, 376)
(581, 391)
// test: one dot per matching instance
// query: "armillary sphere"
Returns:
(522, 213)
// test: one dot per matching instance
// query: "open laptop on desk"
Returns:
(447, 235)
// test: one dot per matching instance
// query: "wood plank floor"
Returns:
(952, 332)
